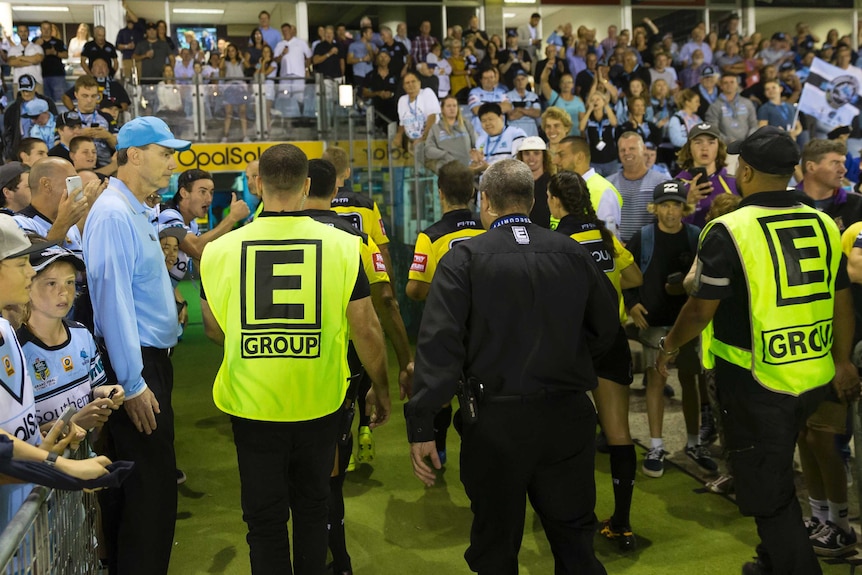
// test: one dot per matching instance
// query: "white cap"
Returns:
(533, 143)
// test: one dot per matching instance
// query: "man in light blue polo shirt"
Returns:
(136, 319)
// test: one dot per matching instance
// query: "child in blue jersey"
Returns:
(61, 356)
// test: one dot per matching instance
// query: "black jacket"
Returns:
(521, 308)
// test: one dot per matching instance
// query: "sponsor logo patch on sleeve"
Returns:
(420, 262)
(379, 264)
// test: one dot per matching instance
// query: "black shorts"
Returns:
(616, 363)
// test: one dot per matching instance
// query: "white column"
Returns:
(302, 21)
(6, 18)
(114, 18)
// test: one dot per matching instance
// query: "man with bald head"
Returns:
(59, 215)
(53, 212)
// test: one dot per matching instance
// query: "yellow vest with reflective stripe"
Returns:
(790, 258)
(279, 289)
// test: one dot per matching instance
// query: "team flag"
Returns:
(832, 95)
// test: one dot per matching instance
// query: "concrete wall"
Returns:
(771, 20)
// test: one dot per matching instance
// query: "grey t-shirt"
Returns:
(153, 67)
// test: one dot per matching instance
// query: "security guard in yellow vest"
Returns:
(773, 281)
(281, 295)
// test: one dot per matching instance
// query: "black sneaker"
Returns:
(724, 484)
(708, 433)
(813, 526)
(832, 541)
(653, 465)
(181, 477)
(668, 391)
(700, 455)
(624, 538)
(755, 567)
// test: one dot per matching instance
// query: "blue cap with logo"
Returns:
(149, 130)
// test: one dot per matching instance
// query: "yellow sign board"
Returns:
(233, 157)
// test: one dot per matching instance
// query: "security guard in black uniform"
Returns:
(773, 281)
(516, 314)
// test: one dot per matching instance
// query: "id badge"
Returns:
(601, 146)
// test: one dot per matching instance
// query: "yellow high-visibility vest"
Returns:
(279, 288)
(790, 258)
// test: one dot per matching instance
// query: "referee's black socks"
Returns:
(623, 468)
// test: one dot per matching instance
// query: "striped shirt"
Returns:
(636, 195)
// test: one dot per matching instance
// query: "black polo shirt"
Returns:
(93, 52)
(331, 67)
(398, 52)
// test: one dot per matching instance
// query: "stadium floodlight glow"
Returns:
(519, 1)
(40, 8)
(198, 11)
(509, 14)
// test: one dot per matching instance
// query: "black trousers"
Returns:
(542, 449)
(139, 517)
(761, 428)
(285, 467)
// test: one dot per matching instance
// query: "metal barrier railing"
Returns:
(54, 532)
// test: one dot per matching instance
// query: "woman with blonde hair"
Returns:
(76, 46)
(451, 138)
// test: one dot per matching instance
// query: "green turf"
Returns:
(395, 525)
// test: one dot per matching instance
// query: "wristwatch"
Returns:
(51, 460)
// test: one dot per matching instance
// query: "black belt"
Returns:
(539, 395)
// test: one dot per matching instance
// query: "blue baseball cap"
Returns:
(149, 130)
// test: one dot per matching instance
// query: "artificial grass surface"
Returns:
(395, 525)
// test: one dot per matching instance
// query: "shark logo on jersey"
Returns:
(40, 366)
(67, 363)
(7, 365)
(84, 355)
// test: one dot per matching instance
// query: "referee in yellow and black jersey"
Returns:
(282, 294)
(358, 209)
(455, 187)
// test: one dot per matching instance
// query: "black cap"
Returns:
(704, 128)
(709, 71)
(769, 150)
(785, 66)
(9, 171)
(51, 253)
(27, 83)
(671, 190)
(779, 36)
(71, 119)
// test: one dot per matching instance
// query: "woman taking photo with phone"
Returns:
(703, 160)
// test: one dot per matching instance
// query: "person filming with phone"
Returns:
(703, 160)
(58, 208)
